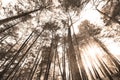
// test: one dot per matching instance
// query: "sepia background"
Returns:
(59, 39)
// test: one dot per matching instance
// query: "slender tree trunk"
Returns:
(14, 57)
(23, 56)
(3, 38)
(91, 74)
(19, 16)
(7, 28)
(41, 70)
(103, 73)
(96, 73)
(64, 57)
(59, 65)
(54, 64)
(115, 60)
(16, 70)
(8, 53)
(72, 58)
(105, 70)
(50, 56)
(34, 65)
(82, 69)
(111, 18)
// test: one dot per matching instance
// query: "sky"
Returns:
(6, 2)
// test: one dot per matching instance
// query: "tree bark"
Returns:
(72, 58)
(19, 16)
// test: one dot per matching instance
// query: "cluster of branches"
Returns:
(38, 56)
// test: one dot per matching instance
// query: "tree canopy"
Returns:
(38, 40)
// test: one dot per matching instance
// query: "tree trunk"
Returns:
(72, 58)
(19, 16)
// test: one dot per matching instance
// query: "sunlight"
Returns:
(39, 51)
(93, 50)
(6, 2)
(114, 48)
(91, 14)
(90, 51)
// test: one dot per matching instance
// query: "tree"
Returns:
(38, 41)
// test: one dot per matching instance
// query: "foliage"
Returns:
(37, 42)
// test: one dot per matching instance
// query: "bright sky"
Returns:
(90, 14)
(6, 2)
